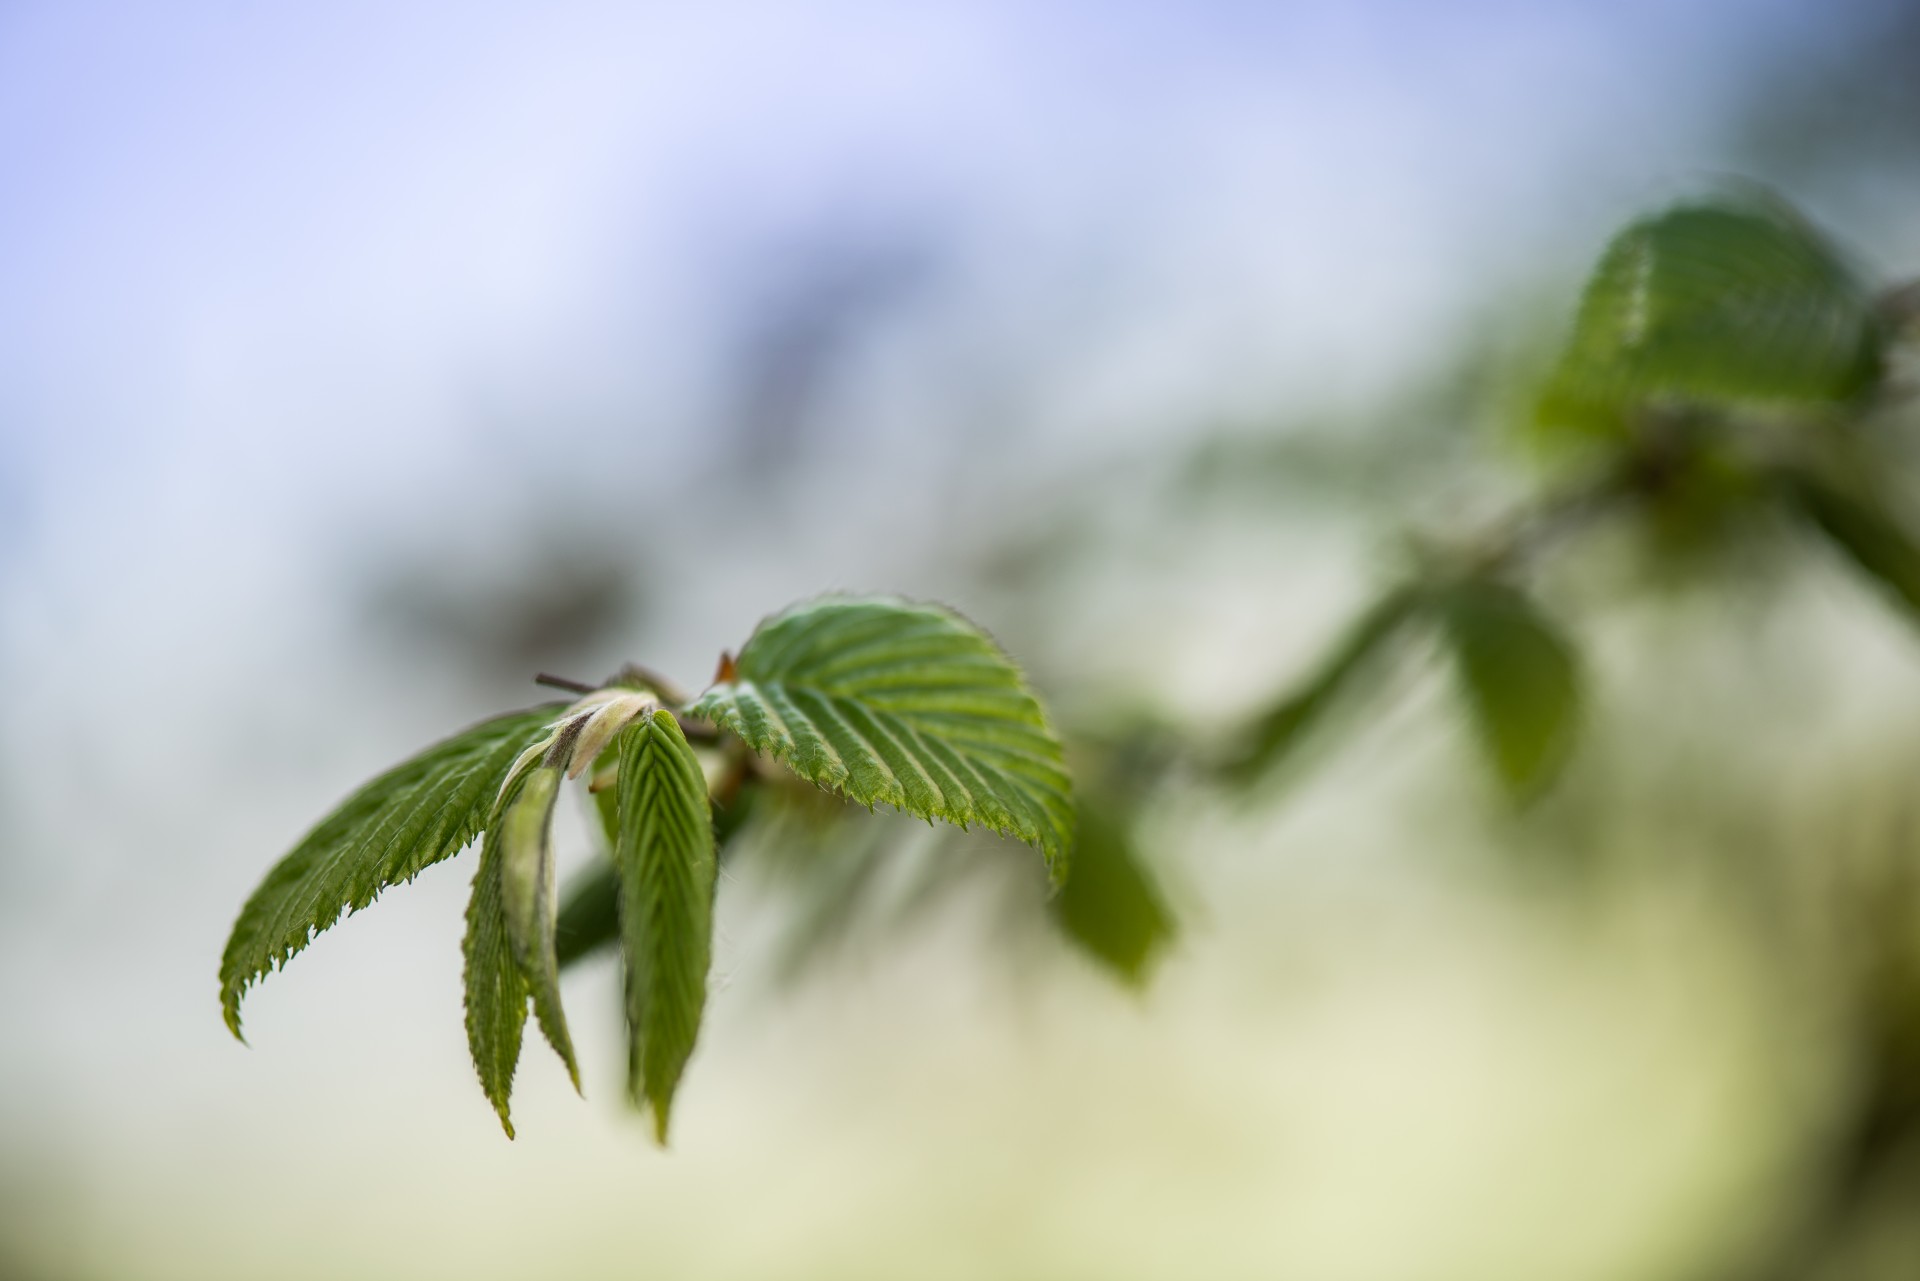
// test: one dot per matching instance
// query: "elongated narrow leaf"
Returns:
(1859, 523)
(892, 703)
(1731, 301)
(528, 901)
(1282, 731)
(664, 856)
(1519, 678)
(496, 987)
(590, 906)
(407, 819)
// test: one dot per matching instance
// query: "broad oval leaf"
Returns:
(1728, 301)
(1519, 678)
(663, 854)
(407, 819)
(892, 703)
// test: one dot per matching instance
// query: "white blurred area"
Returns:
(303, 314)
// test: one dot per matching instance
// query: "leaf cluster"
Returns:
(877, 701)
(1726, 369)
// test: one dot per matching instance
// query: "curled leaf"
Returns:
(529, 905)
(386, 833)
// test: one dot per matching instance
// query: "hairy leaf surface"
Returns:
(664, 857)
(1520, 680)
(496, 987)
(1735, 301)
(528, 901)
(892, 703)
(589, 917)
(402, 822)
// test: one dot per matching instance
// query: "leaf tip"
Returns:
(230, 995)
(727, 669)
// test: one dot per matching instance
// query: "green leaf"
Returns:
(1732, 301)
(1519, 678)
(496, 987)
(589, 915)
(1857, 521)
(528, 902)
(664, 856)
(1110, 906)
(402, 822)
(1278, 734)
(892, 703)
(590, 908)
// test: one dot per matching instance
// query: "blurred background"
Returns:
(358, 362)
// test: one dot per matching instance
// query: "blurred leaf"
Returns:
(496, 987)
(1110, 906)
(837, 890)
(409, 818)
(589, 917)
(1857, 522)
(1279, 734)
(527, 900)
(1519, 678)
(1734, 301)
(892, 703)
(664, 857)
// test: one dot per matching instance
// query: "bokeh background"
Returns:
(359, 361)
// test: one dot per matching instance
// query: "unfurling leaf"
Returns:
(664, 857)
(528, 902)
(892, 703)
(496, 988)
(1278, 734)
(1858, 522)
(1519, 678)
(402, 822)
(1716, 303)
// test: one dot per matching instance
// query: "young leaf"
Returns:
(496, 987)
(409, 818)
(1519, 678)
(664, 856)
(1281, 731)
(1859, 524)
(891, 703)
(589, 910)
(528, 903)
(1734, 301)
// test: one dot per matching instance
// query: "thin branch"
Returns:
(561, 682)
